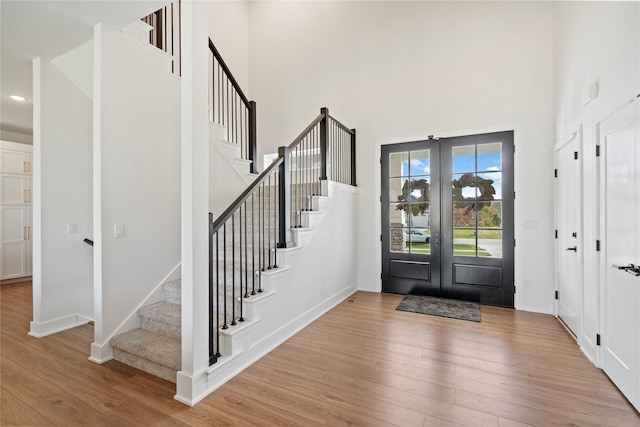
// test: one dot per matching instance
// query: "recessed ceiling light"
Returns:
(18, 98)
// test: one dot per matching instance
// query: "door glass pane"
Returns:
(397, 240)
(420, 163)
(490, 214)
(490, 157)
(464, 215)
(418, 240)
(398, 187)
(464, 159)
(489, 186)
(464, 187)
(398, 215)
(420, 188)
(490, 241)
(418, 215)
(464, 242)
(399, 164)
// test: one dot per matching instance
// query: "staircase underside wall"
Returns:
(321, 274)
(137, 173)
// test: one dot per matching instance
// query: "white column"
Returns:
(191, 380)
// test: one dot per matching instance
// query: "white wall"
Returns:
(399, 71)
(63, 266)
(137, 166)
(229, 32)
(593, 42)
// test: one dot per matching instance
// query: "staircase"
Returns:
(155, 347)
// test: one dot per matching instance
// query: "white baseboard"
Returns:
(192, 389)
(42, 329)
(101, 353)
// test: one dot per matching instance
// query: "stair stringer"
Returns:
(292, 298)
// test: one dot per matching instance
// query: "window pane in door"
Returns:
(464, 214)
(464, 159)
(420, 163)
(489, 185)
(490, 214)
(489, 157)
(490, 241)
(398, 240)
(399, 164)
(398, 189)
(464, 242)
(464, 187)
(398, 215)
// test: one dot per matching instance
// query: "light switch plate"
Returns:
(118, 231)
(72, 227)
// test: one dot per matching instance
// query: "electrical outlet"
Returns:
(72, 227)
(118, 231)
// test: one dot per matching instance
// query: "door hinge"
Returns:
(597, 245)
(381, 198)
(556, 234)
(380, 276)
(514, 243)
(514, 195)
(575, 155)
(555, 173)
(597, 151)
(381, 237)
(597, 339)
(556, 294)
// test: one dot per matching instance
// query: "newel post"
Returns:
(284, 199)
(253, 151)
(324, 135)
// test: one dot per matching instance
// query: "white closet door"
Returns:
(620, 218)
(13, 189)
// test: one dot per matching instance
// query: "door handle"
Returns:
(574, 249)
(631, 269)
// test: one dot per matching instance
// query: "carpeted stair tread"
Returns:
(157, 348)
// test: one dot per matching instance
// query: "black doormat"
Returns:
(463, 310)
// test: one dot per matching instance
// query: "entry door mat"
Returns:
(463, 310)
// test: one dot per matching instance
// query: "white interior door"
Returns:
(620, 175)
(569, 228)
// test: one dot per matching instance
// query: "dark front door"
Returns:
(447, 218)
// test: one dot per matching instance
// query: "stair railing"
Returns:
(230, 107)
(165, 33)
(244, 238)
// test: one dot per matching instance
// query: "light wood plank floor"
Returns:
(363, 363)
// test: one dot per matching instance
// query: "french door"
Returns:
(447, 218)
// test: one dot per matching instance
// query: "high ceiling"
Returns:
(46, 29)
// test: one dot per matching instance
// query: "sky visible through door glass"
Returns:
(487, 162)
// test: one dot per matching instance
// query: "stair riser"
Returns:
(171, 330)
(145, 365)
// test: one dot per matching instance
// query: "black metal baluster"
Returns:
(275, 222)
(217, 294)
(241, 319)
(246, 258)
(269, 230)
(224, 272)
(253, 245)
(233, 270)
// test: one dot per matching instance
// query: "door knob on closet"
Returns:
(631, 269)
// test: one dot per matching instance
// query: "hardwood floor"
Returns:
(363, 363)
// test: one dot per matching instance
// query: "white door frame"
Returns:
(577, 134)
